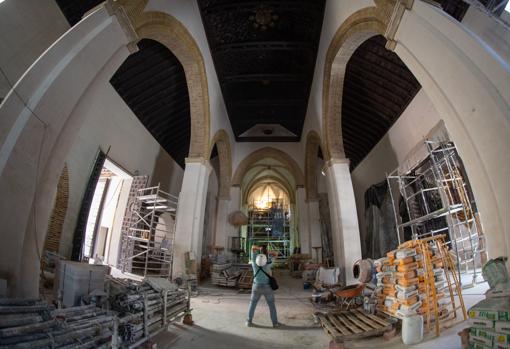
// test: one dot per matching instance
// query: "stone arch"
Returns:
(359, 27)
(484, 94)
(272, 153)
(222, 141)
(167, 30)
(313, 144)
(255, 182)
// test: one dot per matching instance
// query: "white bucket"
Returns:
(412, 329)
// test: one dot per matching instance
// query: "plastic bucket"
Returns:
(412, 329)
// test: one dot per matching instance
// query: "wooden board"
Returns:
(246, 279)
(353, 324)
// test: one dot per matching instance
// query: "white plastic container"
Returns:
(412, 329)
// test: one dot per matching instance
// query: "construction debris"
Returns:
(145, 308)
(225, 274)
(35, 324)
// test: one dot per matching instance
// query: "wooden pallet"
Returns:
(246, 279)
(353, 324)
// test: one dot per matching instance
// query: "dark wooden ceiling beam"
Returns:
(227, 79)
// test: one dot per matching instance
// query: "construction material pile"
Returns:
(144, 308)
(413, 280)
(490, 318)
(35, 324)
(225, 274)
(401, 282)
(490, 321)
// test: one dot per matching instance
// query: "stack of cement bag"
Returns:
(490, 321)
(490, 318)
(401, 285)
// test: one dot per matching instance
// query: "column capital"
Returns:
(199, 160)
(300, 186)
(335, 161)
(196, 160)
(394, 22)
(114, 9)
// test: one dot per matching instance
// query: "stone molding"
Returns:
(382, 19)
(170, 32)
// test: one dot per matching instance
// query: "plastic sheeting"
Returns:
(380, 235)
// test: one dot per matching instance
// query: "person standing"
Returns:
(261, 287)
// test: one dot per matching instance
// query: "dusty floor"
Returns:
(220, 313)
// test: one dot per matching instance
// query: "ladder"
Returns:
(437, 256)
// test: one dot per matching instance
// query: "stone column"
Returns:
(235, 205)
(344, 218)
(190, 213)
(303, 226)
(314, 226)
(222, 225)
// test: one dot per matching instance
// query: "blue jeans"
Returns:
(257, 291)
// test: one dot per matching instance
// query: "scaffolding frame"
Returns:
(148, 246)
(441, 181)
(259, 232)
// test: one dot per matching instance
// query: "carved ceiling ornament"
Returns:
(264, 17)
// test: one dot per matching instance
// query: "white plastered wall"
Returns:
(111, 126)
(37, 129)
(410, 130)
(469, 86)
(493, 31)
(27, 28)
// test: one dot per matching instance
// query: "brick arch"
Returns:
(168, 31)
(313, 144)
(222, 142)
(271, 153)
(56, 223)
(356, 29)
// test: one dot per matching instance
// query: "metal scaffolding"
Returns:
(270, 227)
(437, 199)
(149, 241)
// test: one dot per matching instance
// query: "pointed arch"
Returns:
(168, 31)
(359, 27)
(271, 153)
(222, 142)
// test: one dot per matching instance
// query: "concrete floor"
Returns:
(219, 315)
